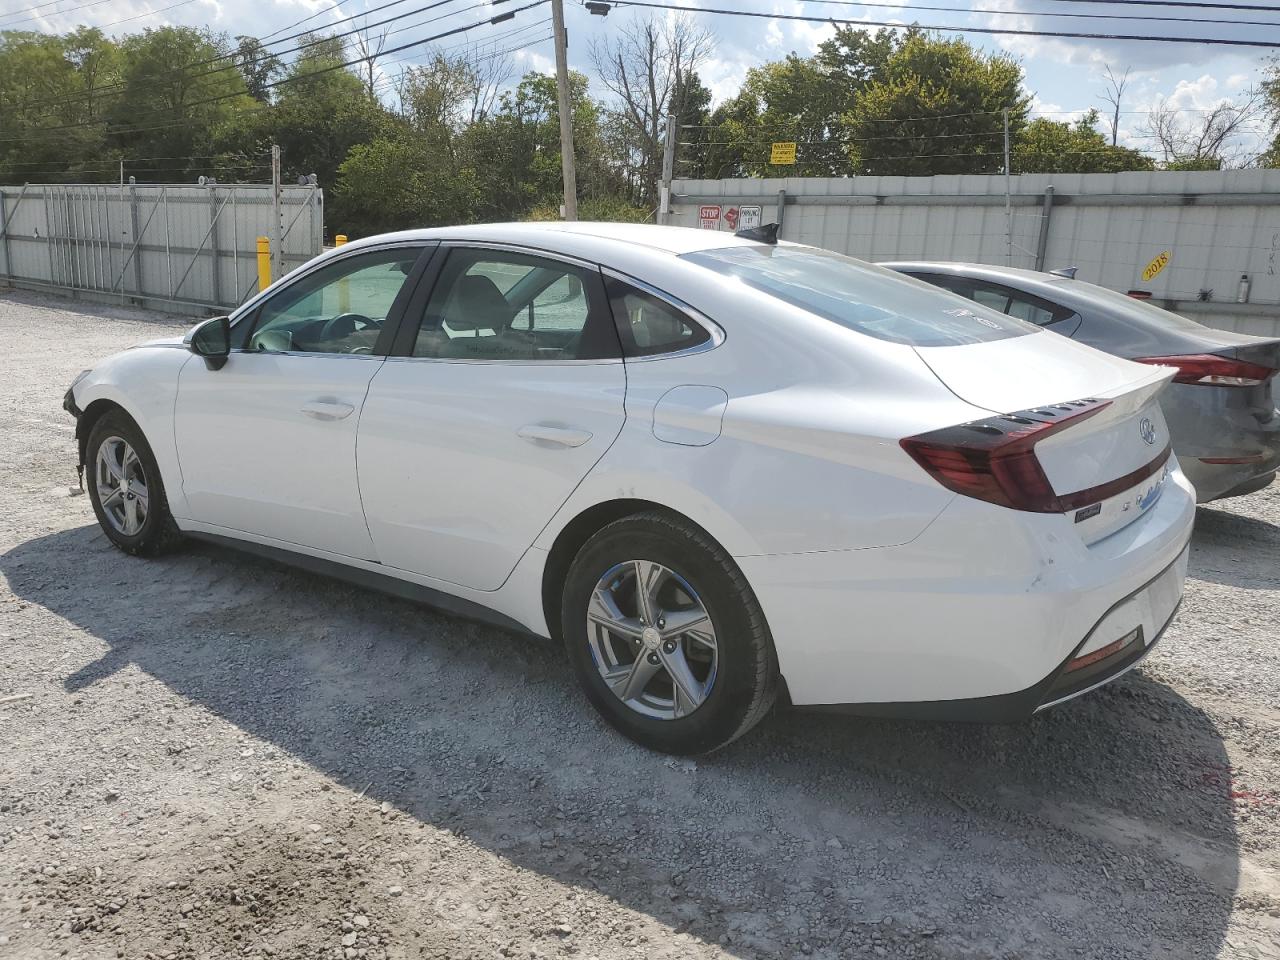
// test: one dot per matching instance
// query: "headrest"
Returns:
(477, 303)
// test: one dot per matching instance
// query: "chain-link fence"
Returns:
(174, 246)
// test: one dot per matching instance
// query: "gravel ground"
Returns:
(212, 756)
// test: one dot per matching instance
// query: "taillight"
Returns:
(995, 459)
(1209, 370)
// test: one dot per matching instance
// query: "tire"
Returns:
(735, 674)
(139, 521)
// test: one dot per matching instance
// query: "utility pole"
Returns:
(566, 112)
(1008, 202)
(668, 169)
(277, 215)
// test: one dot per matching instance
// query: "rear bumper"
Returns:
(979, 617)
(1214, 481)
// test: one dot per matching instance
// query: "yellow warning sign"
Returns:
(1156, 265)
(783, 152)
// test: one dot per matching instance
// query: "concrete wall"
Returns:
(171, 246)
(1215, 225)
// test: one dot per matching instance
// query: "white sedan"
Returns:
(723, 470)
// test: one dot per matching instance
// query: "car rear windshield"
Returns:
(862, 296)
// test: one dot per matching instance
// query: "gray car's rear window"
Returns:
(862, 296)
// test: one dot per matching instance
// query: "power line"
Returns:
(1178, 3)
(306, 76)
(1024, 13)
(120, 84)
(337, 5)
(999, 31)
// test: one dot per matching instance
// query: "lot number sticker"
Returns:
(709, 218)
(1156, 265)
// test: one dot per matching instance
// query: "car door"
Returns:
(267, 443)
(506, 388)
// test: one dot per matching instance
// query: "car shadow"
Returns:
(924, 839)
(1235, 550)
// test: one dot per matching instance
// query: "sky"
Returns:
(1064, 75)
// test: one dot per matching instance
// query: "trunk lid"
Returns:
(1115, 457)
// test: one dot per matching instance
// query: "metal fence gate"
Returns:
(181, 246)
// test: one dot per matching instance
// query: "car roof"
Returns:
(581, 237)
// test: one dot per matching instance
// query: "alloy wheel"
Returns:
(122, 486)
(652, 639)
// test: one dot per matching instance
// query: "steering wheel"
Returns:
(345, 324)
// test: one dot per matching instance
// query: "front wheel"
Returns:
(126, 489)
(666, 636)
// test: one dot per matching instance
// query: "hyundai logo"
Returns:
(1147, 430)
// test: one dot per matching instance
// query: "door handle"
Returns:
(327, 409)
(541, 433)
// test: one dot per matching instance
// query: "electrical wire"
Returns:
(1027, 13)
(999, 31)
(120, 85)
(1179, 3)
(310, 74)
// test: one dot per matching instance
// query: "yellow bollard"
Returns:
(339, 239)
(264, 263)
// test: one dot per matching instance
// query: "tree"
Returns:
(179, 85)
(1047, 146)
(936, 107)
(259, 67)
(1113, 95)
(1208, 141)
(643, 66)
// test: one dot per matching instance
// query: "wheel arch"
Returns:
(574, 534)
(89, 418)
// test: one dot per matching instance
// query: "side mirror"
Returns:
(211, 340)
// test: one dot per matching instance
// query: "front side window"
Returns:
(648, 325)
(872, 300)
(498, 305)
(340, 308)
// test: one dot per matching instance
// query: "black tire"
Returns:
(746, 679)
(157, 532)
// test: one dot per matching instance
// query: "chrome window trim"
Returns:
(454, 243)
(715, 333)
(523, 361)
(307, 353)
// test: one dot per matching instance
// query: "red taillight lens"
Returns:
(1209, 370)
(995, 459)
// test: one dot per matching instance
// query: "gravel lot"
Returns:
(209, 756)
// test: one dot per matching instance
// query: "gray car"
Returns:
(1220, 407)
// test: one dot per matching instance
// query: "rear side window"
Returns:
(648, 325)
(861, 296)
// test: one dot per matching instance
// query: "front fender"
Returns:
(144, 383)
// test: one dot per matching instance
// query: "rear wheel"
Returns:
(666, 637)
(126, 489)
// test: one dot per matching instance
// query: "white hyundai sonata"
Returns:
(724, 470)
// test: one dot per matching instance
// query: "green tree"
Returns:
(258, 66)
(1047, 146)
(179, 88)
(935, 108)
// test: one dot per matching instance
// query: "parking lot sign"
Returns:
(748, 217)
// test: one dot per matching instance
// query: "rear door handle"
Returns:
(541, 433)
(327, 409)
